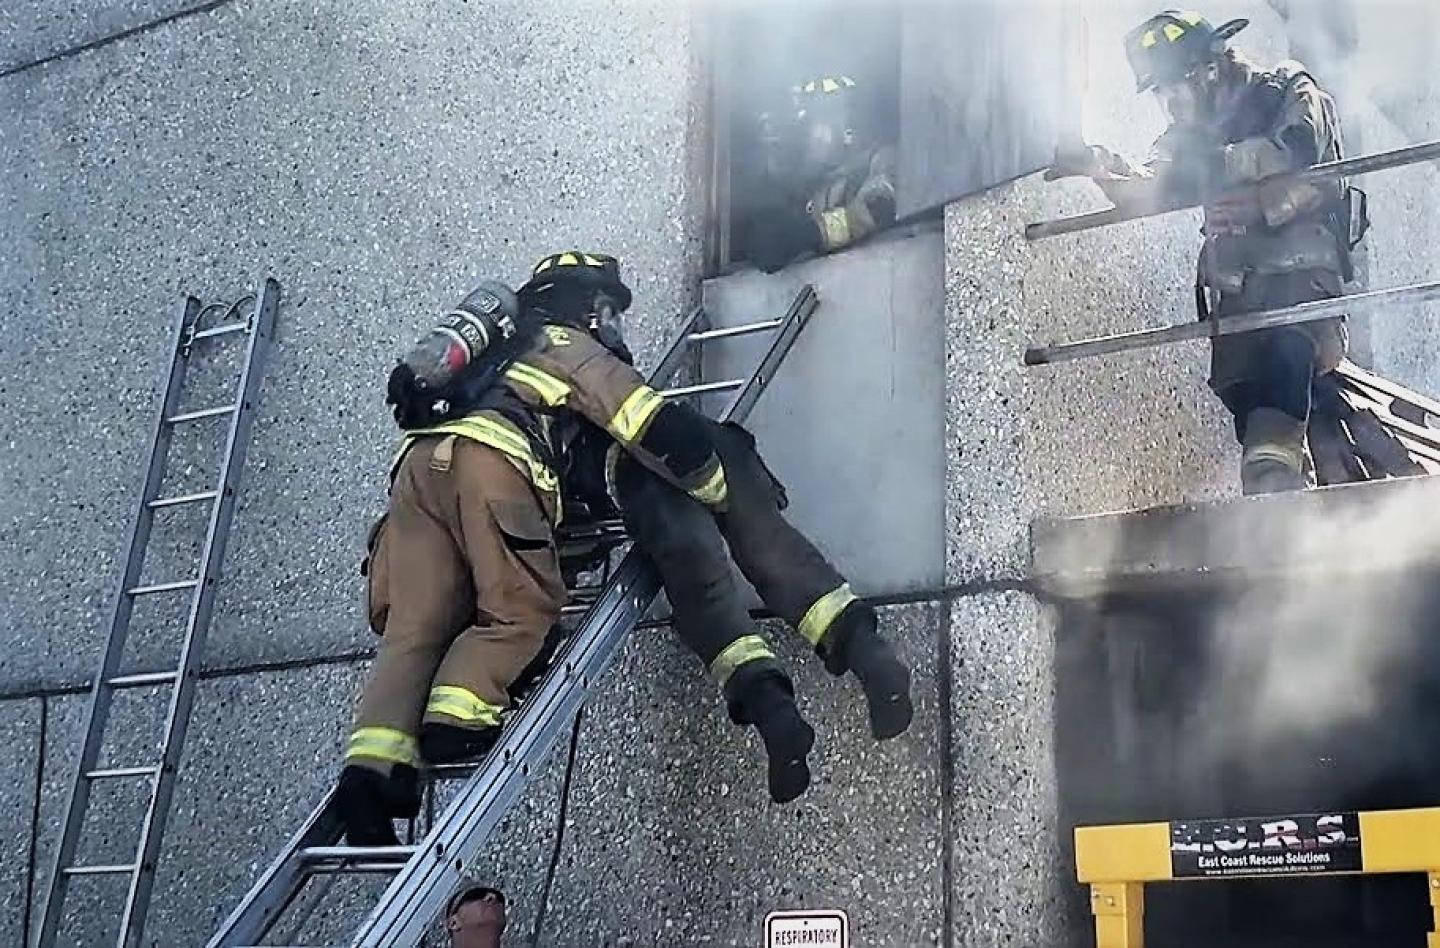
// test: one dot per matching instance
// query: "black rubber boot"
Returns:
(1269, 476)
(448, 744)
(368, 801)
(766, 699)
(853, 644)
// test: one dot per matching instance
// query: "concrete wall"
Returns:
(376, 158)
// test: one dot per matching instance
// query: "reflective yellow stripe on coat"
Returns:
(495, 434)
(553, 392)
(635, 413)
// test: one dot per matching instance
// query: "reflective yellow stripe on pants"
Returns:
(714, 491)
(747, 648)
(463, 704)
(383, 743)
(821, 614)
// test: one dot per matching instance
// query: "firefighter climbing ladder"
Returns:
(257, 327)
(428, 872)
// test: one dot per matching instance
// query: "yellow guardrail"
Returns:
(1117, 862)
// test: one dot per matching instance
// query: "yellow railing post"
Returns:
(1119, 909)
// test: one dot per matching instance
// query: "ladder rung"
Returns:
(355, 868)
(202, 413)
(112, 772)
(703, 387)
(729, 331)
(144, 678)
(224, 329)
(183, 499)
(98, 870)
(388, 854)
(163, 587)
(451, 771)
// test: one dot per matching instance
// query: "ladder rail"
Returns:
(121, 606)
(279, 885)
(257, 346)
(408, 906)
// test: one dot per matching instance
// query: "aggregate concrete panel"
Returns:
(1072, 438)
(21, 728)
(1345, 531)
(673, 838)
(1011, 886)
(35, 29)
(852, 423)
(376, 159)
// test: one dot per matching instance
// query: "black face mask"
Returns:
(604, 325)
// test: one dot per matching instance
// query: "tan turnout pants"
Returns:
(465, 582)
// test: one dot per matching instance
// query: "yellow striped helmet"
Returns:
(596, 271)
(1170, 45)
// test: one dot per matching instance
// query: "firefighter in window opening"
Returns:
(464, 573)
(692, 546)
(825, 183)
(1267, 244)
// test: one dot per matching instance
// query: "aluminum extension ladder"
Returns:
(427, 873)
(257, 326)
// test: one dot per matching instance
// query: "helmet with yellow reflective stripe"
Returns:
(826, 111)
(596, 272)
(825, 85)
(1169, 46)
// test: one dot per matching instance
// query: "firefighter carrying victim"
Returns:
(464, 575)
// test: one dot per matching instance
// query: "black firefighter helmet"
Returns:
(1169, 46)
(826, 112)
(564, 273)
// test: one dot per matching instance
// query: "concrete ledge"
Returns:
(1375, 528)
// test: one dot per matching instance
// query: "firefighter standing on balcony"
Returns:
(1267, 245)
(464, 572)
(825, 183)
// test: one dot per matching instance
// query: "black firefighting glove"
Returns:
(779, 235)
(413, 405)
(1074, 162)
(608, 335)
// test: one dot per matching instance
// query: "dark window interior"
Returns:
(768, 49)
(970, 94)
